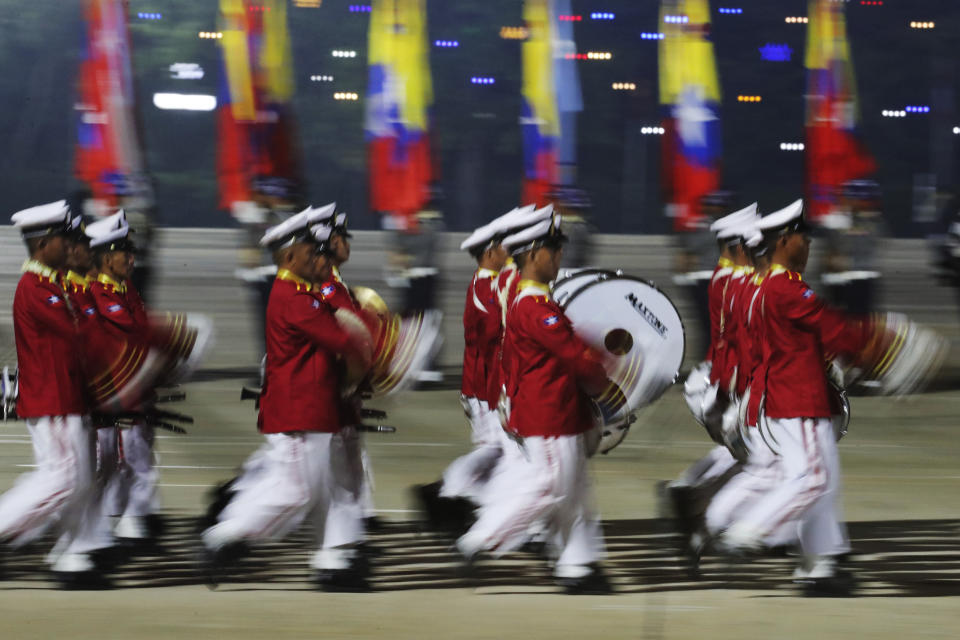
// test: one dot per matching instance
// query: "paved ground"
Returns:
(901, 480)
(901, 485)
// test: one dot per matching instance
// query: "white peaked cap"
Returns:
(500, 225)
(791, 213)
(322, 214)
(36, 221)
(736, 218)
(526, 238)
(321, 232)
(107, 230)
(287, 231)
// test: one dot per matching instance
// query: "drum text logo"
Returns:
(648, 315)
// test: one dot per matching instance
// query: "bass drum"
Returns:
(635, 326)
(569, 281)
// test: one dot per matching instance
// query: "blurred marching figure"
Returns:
(305, 472)
(258, 166)
(338, 295)
(548, 374)
(853, 235)
(574, 205)
(795, 498)
(449, 503)
(109, 160)
(62, 492)
(712, 387)
(130, 492)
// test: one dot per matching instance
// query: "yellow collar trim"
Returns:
(776, 269)
(42, 270)
(336, 274)
(524, 284)
(120, 287)
(486, 273)
(289, 276)
(725, 263)
(77, 279)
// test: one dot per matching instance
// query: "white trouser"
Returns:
(759, 474)
(62, 491)
(545, 480)
(468, 475)
(299, 476)
(128, 471)
(803, 503)
(711, 466)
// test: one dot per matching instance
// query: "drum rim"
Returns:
(589, 271)
(683, 327)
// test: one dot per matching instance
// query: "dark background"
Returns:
(476, 134)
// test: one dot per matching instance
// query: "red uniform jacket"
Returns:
(732, 319)
(301, 390)
(506, 292)
(749, 344)
(548, 369)
(798, 330)
(46, 334)
(715, 293)
(482, 334)
(81, 297)
(337, 294)
(121, 308)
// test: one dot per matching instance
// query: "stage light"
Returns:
(256, 8)
(446, 44)
(307, 4)
(602, 15)
(871, 3)
(321, 78)
(184, 102)
(917, 109)
(730, 10)
(956, 131)
(776, 52)
(343, 53)
(624, 86)
(360, 8)
(186, 71)
(210, 35)
(150, 16)
(791, 146)
(922, 25)
(482, 80)
(652, 131)
(564, 18)
(514, 33)
(676, 19)
(797, 20)
(651, 36)
(599, 55)
(894, 113)
(749, 98)
(346, 95)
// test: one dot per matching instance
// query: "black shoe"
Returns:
(594, 583)
(453, 516)
(156, 525)
(373, 524)
(352, 580)
(219, 496)
(109, 558)
(215, 565)
(841, 584)
(82, 580)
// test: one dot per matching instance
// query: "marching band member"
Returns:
(799, 331)
(62, 489)
(130, 494)
(305, 470)
(335, 292)
(549, 372)
(712, 389)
